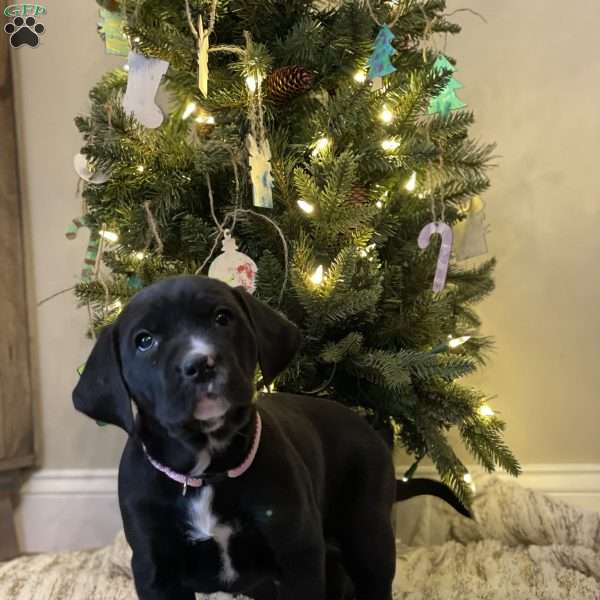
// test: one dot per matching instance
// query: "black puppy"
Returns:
(221, 490)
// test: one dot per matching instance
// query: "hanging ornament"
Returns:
(260, 171)
(447, 99)
(111, 26)
(134, 282)
(359, 195)
(88, 172)
(205, 124)
(91, 252)
(380, 62)
(145, 75)
(470, 233)
(233, 267)
(286, 83)
(111, 5)
(202, 37)
(203, 58)
(257, 143)
(445, 231)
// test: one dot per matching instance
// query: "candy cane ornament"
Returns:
(91, 252)
(445, 231)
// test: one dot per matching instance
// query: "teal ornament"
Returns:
(380, 62)
(111, 27)
(135, 283)
(447, 100)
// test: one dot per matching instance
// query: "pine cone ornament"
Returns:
(286, 83)
(111, 5)
(359, 195)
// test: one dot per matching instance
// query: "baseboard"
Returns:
(577, 483)
(68, 510)
(78, 509)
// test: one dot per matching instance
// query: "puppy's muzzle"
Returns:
(199, 368)
(204, 373)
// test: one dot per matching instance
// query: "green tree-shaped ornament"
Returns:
(380, 62)
(447, 100)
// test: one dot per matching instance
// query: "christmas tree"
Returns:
(324, 184)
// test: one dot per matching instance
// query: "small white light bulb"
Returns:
(317, 276)
(140, 255)
(320, 145)
(360, 76)
(386, 115)
(390, 145)
(136, 40)
(189, 109)
(140, 168)
(125, 67)
(468, 478)
(486, 411)
(205, 120)
(109, 236)
(411, 184)
(307, 207)
(252, 83)
(117, 305)
(379, 204)
(456, 342)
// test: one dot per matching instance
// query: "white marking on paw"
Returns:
(222, 536)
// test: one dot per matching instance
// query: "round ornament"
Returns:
(87, 172)
(233, 267)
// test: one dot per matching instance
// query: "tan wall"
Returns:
(531, 75)
(53, 81)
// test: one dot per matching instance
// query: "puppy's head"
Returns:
(186, 351)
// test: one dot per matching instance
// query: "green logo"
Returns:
(25, 10)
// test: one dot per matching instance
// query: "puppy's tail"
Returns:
(405, 490)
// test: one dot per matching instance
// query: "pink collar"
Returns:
(197, 482)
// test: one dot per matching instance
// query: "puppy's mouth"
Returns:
(210, 407)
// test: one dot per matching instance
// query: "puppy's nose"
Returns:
(198, 367)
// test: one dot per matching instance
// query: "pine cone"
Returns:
(286, 83)
(111, 5)
(359, 195)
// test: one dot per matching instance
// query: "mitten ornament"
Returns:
(111, 30)
(470, 233)
(260, 171)
(145, 75)
(88, 172)
(233, 267)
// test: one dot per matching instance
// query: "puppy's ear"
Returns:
(277, 339)
(101, 392)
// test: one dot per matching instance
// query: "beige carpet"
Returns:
(523, 546)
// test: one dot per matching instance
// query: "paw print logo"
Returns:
(24, 32)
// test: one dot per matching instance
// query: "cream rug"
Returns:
(523, 546)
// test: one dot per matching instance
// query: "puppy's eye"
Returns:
(223, 317)
(144, 341)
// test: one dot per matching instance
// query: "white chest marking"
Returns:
(203, 526)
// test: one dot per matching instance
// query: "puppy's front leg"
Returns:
(303, 573)
(155, 578)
